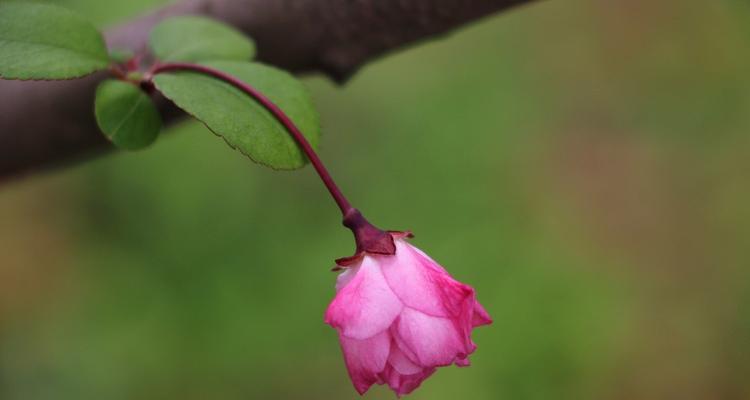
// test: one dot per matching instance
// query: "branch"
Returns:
(48, 124)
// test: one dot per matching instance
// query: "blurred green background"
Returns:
(584, 164)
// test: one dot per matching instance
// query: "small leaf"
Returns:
(241, 121)
(192, 38)
(126, 115)
(40, 41)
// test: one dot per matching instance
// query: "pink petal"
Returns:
(464, 323)
(365, 359)
(365, 306)
(402, 345)
(430, 262)
(401, 363)
(433, 341)
(463, 362)
(421, 283)
(345, 277)
(404, 384)
(480, 317)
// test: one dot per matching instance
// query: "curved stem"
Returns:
(325, 176)
(369, 239)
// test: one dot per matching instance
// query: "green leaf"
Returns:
(40, 41)
(126, 115)
(240, 120)
(192, 38)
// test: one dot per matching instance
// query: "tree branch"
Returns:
(47, 124)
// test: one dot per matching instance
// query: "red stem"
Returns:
(369, 239)
(325, 176)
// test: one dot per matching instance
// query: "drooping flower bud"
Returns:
(401, 316)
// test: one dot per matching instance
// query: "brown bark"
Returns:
(45, 124)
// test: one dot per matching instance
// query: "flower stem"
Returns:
(280, 116)
(369, 239)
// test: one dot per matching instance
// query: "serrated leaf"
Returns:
(126, 115)
(41, 41)
(192, 38)
(241, 121)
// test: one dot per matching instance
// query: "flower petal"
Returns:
(463, 362)
(430, 262)
(365, 359)
(345, 277)
(365, 305)
(434, 341)
(464, 323)
(481, 317)
(401, 363)
(404, 384)
(421, 283)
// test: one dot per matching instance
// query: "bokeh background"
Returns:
(584, 164)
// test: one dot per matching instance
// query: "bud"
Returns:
(401, 316)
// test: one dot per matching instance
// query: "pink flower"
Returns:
(401, 316)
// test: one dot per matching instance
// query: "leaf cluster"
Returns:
(47, 42)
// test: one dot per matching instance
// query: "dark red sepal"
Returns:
(401, 234)
(345, 262)
(368, 238)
